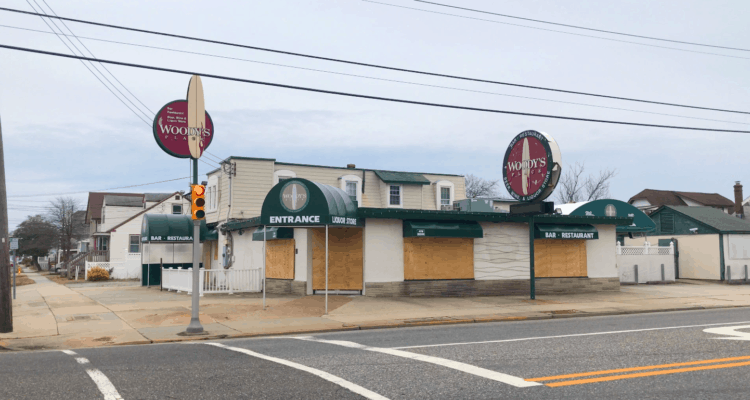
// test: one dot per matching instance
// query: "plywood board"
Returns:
(280, 259)
(438, 258)
(559, 258)
(345, 259)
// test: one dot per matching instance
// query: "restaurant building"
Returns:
(394, 234)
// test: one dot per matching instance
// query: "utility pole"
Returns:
(6, 303)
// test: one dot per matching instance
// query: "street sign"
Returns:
(14, 243)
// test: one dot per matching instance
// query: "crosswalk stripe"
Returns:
(103, 383)
(322, 374)
(459, 366)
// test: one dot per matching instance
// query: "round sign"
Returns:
(171, 129)
(531, 167)
(294, 196)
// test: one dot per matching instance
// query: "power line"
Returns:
(382, 79)
(101, 190)
(582, 27)
(362, 96)
(374, 65)
(553, 30)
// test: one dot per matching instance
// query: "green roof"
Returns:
(434, 215)
(402, 177)
(712, 217)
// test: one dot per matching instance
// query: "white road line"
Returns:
(730, 331)
(459, 366)
(567, 336)
(105, 386)
(322, 374)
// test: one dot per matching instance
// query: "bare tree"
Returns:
(478, 187)
(575, 186)
(64, 214)
(37, 237)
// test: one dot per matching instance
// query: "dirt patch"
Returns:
(22, 280)
(222, 312)
(104, 339)
(542, 301)
(61, 280)
(562, 312)
(308, 306)
(172, 319)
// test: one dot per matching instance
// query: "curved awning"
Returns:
(172, 228)
(300, 202)
(614, 208)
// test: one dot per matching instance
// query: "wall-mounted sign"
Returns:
(531, 167)
(294, 196)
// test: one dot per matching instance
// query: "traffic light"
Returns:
(198, 197)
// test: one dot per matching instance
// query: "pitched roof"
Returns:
(402, 177)
(149, 197)
(96, 199)
(712, 217)
(140, 213)
(673, 198)
(123, 201)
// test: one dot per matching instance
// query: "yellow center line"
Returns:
(614, 371)
(644, 374)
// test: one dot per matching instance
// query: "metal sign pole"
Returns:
(264, 267)
(15, 267)
(326, 270)
(532, 287)
(195, 323)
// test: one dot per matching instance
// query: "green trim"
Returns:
(250, 158)
(241, 224)
(454, 229)
(398, 213)
(565, 232)
(407, 178)
(273, 233)
(365, 169)
(721, 257)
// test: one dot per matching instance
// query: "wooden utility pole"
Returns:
(6, 305)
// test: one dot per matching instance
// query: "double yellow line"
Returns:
(663, 369)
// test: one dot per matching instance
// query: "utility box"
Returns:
(473, 205)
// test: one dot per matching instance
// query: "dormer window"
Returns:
(352, 185)
(283, 174)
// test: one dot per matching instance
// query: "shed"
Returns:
(708, 241)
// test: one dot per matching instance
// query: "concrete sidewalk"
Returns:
(47, 315)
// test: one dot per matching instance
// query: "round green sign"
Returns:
(294, 196)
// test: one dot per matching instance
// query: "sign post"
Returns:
(183, 129)
(531, 170)
(14, 247)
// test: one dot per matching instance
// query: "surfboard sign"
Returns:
(183, 128)
(531, 167)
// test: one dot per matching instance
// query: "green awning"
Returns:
(567, 232)
(456, 229)
(213, 234)
(171, 228)
(273, 233)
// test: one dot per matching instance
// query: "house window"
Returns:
(351, 189)
(135, 244)
(394, 195)
(101, 243)
(445, 196)
(176, 208)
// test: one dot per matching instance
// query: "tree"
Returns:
(64, 213)
(36, 237)
(478, 187)
(574, 186)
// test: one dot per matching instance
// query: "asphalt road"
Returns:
(646, 356)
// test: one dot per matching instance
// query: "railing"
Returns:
(645, 250)
(98, 255)
(212, 281)
(43, 263)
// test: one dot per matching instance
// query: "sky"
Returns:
(64, 132)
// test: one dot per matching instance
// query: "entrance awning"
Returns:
(566, 232)
(300, 202)
(612, 208)
(456, 229)
(273, 233)
(171, 228)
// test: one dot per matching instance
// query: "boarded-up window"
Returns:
(345, 259)
(438, 258)
(560, 258)
(280, 259)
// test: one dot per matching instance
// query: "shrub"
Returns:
(98, 274)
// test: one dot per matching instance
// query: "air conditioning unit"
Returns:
(446, 208)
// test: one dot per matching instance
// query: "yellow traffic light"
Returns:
(198, 197)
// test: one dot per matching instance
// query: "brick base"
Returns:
(506, 287)
(286, 286)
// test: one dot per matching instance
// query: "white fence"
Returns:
(213, 281)
(643, 264)
(43, 263)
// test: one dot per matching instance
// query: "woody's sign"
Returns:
(531, 167)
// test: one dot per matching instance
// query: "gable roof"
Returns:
(149, 197)
(112, 229)
(123, 201)
(402, 177)
(712, 217)
(672, 198)
(96, 200)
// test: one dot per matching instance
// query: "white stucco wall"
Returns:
(600, 254)
(384, 250)
(503, 252)
(737, 254)
(699, 254)
(248, 254)
(649, 267)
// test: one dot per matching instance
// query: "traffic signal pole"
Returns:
(195, 327)
(6, 303)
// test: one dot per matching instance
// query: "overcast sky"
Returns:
(64, 131)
